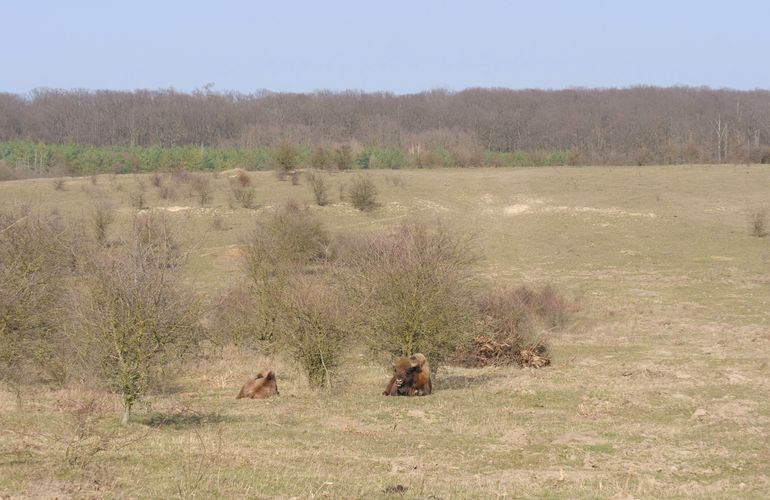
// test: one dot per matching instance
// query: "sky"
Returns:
(396, 46)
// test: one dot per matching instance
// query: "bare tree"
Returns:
(134, 311)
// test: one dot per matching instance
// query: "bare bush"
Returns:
(156, 179)
(293, 307)
(363, 193)
(319, 187)
(102, 217)
(137, 200)
(291, 238)
(286, 158)
(313, 318)
(6, 172)
(81, 436)
(239, 315)
(758, 223)
(180, 176)
(201, 186)
(321, 158)
(166, 192)
(134, 313)
(343, 157)
(243, 195)
(243, 178)
(414, 284)
(33, 265)
(152, 234)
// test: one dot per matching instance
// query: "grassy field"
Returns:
(659, 388)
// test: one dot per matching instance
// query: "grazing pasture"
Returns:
(658, 385)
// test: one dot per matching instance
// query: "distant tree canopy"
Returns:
(638, 125)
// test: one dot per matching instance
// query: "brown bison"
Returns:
(260, 387)
(412, 377)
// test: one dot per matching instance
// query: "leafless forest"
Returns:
(639, 125)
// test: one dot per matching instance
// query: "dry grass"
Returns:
(658, 389)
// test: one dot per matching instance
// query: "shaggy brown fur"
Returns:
(412, 377)
(260, 387)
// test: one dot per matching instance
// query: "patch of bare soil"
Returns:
(233, 252)
(538, 206)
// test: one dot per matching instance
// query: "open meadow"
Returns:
(659, 384)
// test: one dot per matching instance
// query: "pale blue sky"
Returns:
(398, 46)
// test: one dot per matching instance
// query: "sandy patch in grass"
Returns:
(517, 209)
(610, 212)
(430, 205)
(526, 208)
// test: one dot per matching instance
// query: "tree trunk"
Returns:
(126, 414)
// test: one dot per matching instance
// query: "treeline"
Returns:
(639, 125)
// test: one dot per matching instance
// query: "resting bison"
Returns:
(412, 377)
(260, 387)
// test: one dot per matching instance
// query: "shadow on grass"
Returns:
(462, 381)
(182, 420)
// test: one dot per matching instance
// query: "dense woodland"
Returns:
(639, 125)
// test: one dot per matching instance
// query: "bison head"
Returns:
(405, 371)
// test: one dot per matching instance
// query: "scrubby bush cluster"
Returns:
(413, 285)
(133, 311)
(320, 188)
(85, 303)
(362, 193)
(35, 261)
(73, 307)
(409, 289)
